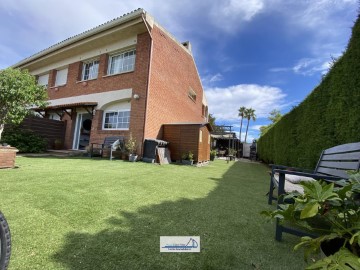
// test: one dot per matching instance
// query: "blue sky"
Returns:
(264, 54)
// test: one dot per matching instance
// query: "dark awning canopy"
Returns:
(65, 108)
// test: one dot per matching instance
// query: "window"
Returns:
(192, 94)
(61, 77)
(116, 120)
(43, 80)
(90, 70)
(122, 62)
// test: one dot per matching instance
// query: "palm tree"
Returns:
(241, 114)
(249, 114)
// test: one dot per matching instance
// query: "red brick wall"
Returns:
(137, 80)
(7, 157)
(173, 73)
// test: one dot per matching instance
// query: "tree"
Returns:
(215, 127)
(18, 93)
(249, 114)
(274, 117)
(241, 114)
(212, 120)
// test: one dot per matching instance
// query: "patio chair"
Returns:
(110, 143)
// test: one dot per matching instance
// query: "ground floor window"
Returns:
(116, 120)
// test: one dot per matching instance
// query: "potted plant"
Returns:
(58, 144)
(187, 158)
(131, 147)
(232, 152)
(330, 212)
(212, 154)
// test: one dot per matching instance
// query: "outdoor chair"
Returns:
(331, 167)
(110, 144)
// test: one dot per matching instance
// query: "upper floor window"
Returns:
(116, 120)
(192, 95)
(90, 70)
(43, 80)
(122, 62)
(61, 77)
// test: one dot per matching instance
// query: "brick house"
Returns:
(126, 75)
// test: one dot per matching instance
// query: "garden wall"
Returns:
(329, 116)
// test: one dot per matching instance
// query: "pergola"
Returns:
(224, 136)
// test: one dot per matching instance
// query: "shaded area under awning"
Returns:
(65, 108)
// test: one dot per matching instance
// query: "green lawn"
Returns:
(80, 213)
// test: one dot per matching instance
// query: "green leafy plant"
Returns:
(188, 156)
(232, 152)
(212, 154)
(331, 212)
(131, 145)
(24, 140)
(19, 91)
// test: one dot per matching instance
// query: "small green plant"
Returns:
(232, 152)
(188, 156)
(131, 145)
(212, 154)
(331, 213)
(24, 140)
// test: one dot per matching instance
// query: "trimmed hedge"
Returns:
(329, 116)
(25, 141)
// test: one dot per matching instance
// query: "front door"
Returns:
(82, 131)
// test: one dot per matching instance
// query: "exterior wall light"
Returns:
(136, 96)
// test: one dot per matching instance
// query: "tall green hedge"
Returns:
(329, 116)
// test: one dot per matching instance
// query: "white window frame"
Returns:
(61, 76)
(93, 70)
(192, 95)
(126, 62)
(43, 79)
(115, 111)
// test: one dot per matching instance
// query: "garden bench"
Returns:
(107, 145)
(331, 167)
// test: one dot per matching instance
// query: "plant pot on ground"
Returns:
(187, 158)
(212, 155)
(330, 212)
(131, 147)
(58, 144)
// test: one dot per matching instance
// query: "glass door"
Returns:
(82, 131)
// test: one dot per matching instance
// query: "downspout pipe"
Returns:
(148, 80)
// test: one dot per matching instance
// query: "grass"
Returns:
(98, 214)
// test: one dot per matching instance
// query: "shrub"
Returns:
(329, 116)
(24, 140)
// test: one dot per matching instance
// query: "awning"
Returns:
(65, 108)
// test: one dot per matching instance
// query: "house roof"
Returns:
(102, 27)
(136, 14)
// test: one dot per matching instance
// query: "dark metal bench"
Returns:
(331, 167)
(106, 145)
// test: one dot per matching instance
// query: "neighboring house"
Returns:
(126, 75)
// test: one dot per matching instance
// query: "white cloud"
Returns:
(310, 66)
(325, 28)
(210, 79)
(225, 102)
(229, 14)
(255, 127)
